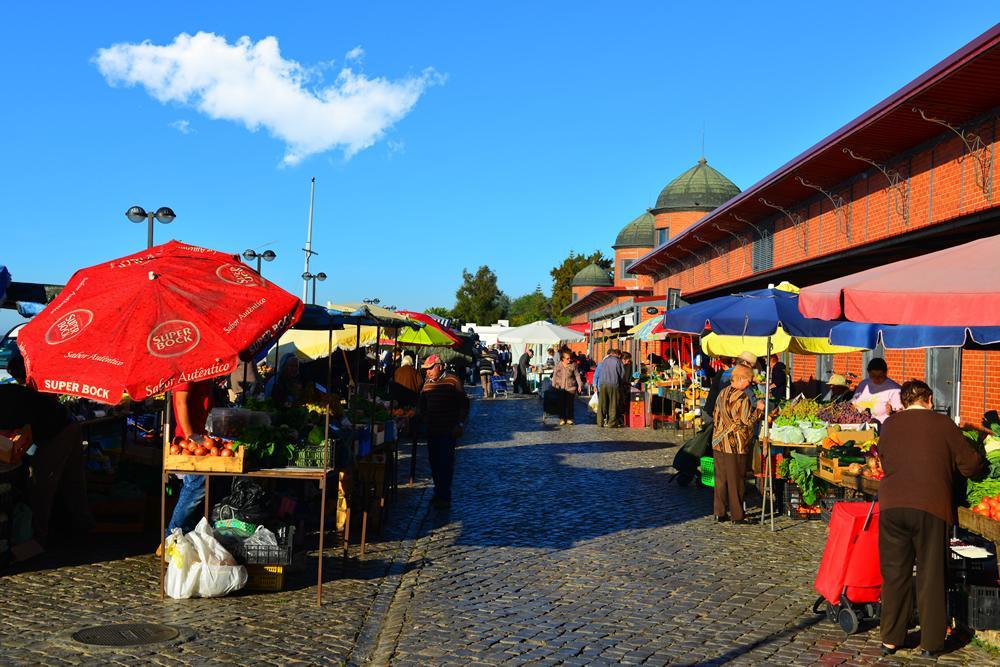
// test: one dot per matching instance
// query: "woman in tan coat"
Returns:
(567, 380)
(734, 421)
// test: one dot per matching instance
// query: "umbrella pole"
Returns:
(329, 392)
(347, 365)
(768, 494)
(357, 359)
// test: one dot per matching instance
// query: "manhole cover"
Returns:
(126, 634)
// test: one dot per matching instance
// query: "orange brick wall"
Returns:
(677, 221)
(941, 182)
(630, 254)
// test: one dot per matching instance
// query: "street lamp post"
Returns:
(267, 256)
(313, 277)
(137, 214)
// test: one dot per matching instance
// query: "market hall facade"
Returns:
(914, 174)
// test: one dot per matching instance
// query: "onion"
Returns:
(227, 453)
(175, 449)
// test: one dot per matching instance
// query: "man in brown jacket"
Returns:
(921, 451)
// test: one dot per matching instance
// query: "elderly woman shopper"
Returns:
(735, 422)
(566, 379)
(921, 452)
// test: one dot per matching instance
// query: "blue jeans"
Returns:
(192, 495)
(441, 452)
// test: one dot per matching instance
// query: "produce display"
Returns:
(202, 446)
(797, 423)
(799, 469)
(987, 443)
(844, 413)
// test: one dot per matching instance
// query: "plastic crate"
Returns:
(707, 466)
(256, 554)
(794, 506)
(984, 607)
(265, 577)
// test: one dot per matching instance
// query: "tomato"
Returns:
(175, 449)
(200, 451)
(227, 453)
(228, 445)
(213, 451)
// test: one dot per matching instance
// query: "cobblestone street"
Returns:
(563, 546)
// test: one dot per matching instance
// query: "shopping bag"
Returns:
(200, 566)
(593, 402)
(551, 402)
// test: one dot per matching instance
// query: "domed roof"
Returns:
(592, 276)
(640, 233)
(700, 188)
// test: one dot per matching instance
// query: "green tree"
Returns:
(529, 308)
(479, 299)
(562, 280)
(440, 311)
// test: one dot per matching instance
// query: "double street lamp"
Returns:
(137, 214)
(250, 255)
(313, 277)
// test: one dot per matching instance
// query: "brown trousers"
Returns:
(907, 536)
(730, 484)
(57, 471)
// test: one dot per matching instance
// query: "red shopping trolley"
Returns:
(849, 580)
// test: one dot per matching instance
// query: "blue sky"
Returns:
(540, 127)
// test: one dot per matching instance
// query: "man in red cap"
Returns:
(443, 409)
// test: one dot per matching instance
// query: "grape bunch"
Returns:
(844, 413)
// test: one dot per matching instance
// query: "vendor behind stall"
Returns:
(192, 401)
(877, 393)
(57, 464)
(285, 388)
(921, 452)
(837, 390)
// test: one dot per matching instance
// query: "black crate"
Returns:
(972, 570)
(984, 607)
(794, 507)
(253, 554)
(826, 505)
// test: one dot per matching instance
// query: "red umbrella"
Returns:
(958, 286)
(147, 322)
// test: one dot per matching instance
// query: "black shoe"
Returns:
(924, 653)
(740, 522)
(720, 519)
(889, 651)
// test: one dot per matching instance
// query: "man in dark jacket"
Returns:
(521, 372)
(610, 378)
(444, 407)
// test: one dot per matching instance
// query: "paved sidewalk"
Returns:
(567, 546)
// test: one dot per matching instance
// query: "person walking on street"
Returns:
(444, 407)
(521, 372)
(735, 421)
(921, 452)
(487, 369)
(609, 377)
(406, 383)
(566, 379)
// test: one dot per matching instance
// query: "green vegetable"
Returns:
(800, 471)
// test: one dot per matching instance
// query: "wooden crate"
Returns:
(865, 485)
(189, 463)
(843, 437)
(830, 469)
(979, 524)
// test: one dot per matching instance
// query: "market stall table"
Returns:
(320, 475)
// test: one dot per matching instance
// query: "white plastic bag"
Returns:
(592, 403)
(199, 566)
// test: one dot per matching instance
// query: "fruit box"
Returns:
(191, 463)
(843, 437)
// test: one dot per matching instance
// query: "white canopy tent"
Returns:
(539, 334)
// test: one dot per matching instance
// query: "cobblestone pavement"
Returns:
(563, 546)
(41, 607)
(567, 546)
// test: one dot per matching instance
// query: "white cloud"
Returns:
(395, 146)
(182, 126)
(250, 83)
(357, 53)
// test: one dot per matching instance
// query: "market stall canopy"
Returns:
(317, 344)
(540, 333)
(144, 323)
(957, 286)
(374, 315)
(430, 333)
(757, 313)
(651, 329)
(911, 337)
(716, 345)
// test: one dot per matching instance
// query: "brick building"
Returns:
(914, 174)
(612, 304)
